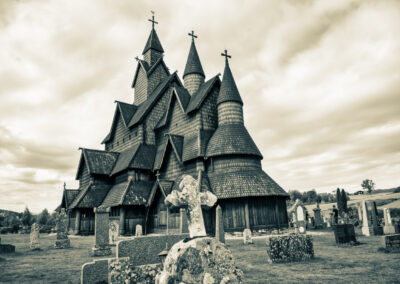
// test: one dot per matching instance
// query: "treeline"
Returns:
(311, 197)
(12, 222)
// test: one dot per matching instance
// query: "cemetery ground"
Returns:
(341, 264)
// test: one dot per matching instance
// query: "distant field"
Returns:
(332, 264)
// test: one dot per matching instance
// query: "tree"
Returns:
(43, 217)
(344, 200)
(27, 218)
(368, 184)
(311, 196)
(294, 195)
(339, 201)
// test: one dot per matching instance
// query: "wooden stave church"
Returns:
(171, 129)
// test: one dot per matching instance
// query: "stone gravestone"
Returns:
(389, 228)
(62, 240)
(204, 259)
(367, 229)
(6, 248)
(317, 217)
(301, 224)
(344, 233)
(35, 244)
(378, 230)
(219, 225)
(138, 230)
(247, 238)
(113, 232)
(101, 232)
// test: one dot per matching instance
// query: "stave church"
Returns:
(175, 126)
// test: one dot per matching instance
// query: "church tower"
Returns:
(229, 102)
(153, 49)
(193, 76)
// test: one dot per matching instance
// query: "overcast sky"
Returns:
(320, 81)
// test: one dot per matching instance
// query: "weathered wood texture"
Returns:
(192, 82)
(230, 112)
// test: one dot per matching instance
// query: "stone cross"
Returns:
(190, 196)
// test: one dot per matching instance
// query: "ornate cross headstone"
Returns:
(34, 237)
(62, 240)
(190, 196)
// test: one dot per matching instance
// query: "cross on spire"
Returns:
(152, 20)
(192, 35)
(226, 55)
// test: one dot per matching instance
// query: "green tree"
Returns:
(339, 201)
(27, 217)
(294, 195)
(311, 196)
(344, 200)
(43, 217)
(368, 184)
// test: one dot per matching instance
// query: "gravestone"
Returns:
(138, 230)
(359, 210)
(4, 248)
(113, 232)
(317, 217)
(189, 195)
(203, 259)
(367, 229)
(389, 228)
(301, 224)
(34, 237)
(391, 242)
(62, 240)
(344, 233)
(101, 232)
(378, 230)
(247, 238)
(219, 225)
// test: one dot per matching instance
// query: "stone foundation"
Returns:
(290, 247)
(100, 251)
(62, 244)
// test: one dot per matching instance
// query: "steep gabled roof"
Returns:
(153, 42)
(91, 196)
(232, 139)
(182, 96)
(244, 182)
(140, 156)
(128, 193)
(195, 144)
(165, 187)
(147, 69)
(68, 197)
(123, 110)
(229, 91)
(197, 98)
(145, 107)
(193, 64)
(176, 143)
(97, 161)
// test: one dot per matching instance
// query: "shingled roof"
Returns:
(165, 187)
(147, 69)
(153, 42)
(145, 107)
(232, 139)
(91, 196)
(197, 98)
(244, 182)
(229, 91)
(192, 141)
(68, 197)
(140, 156)
(193, 64)
(128, 193)
(97, 161)
(176, 143)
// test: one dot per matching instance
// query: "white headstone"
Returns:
(247, 237)
(138, 230)
(300, 213)
(113, 232)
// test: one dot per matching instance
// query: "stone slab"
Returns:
(289, 247)
(95, 272)
(344, 233)
(390, 230)
(391, 242)
(62, 244)
(145, 249)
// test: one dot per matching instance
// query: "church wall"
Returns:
(155, 78)
(229, 113)
(173, 169)
(209, 114)
(153, 118)
(192, 82)
(84, 177)
(151, 56)
(140, 87)
(123, 137)
(219, 164)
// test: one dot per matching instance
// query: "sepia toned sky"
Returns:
(320, 81)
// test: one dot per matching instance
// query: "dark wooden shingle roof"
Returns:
(244, 182)
(192, 142)
(140, 156)
(232, 139)
(197, 98)
(68, 197)
(153, 42)
(91, 196)
(128, 193)
(193, 64)
(175, 142)
(97, 161)
(229, 91)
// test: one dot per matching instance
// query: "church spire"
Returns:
(229, 91)
(153, 48)
(193, 75)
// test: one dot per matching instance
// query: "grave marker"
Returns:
(344, 233)
(138, 230)
(389, 228)
(219, 225)
(113, 232)
(247, 238)
(62, 240)
(367, 229)
(101, 228)
(34, 237)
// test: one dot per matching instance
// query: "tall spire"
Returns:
(229, 91)
(153, 48)
(193, 64)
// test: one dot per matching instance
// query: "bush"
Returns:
(397, 190)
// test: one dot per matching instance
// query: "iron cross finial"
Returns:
(192, 35)
(152, 20)
(137, 58)
(226, 55)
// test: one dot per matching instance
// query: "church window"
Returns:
(114, 212)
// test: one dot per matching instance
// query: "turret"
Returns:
(153, 49)
(229, 102)
(193, 76)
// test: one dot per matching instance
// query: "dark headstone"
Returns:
(7, 248)
(344, 233)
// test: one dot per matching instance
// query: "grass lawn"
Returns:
(359, 264)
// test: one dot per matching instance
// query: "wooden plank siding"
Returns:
(140, 87)
(124, 138)
(84, 177)
(208, 112)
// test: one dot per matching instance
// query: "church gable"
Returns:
(140, 84)
(208, 110)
